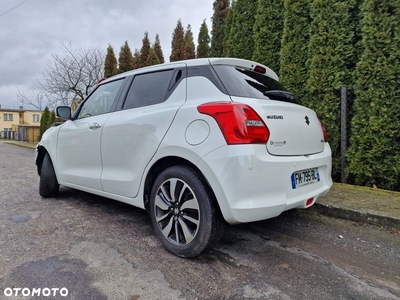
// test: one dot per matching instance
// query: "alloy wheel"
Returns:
(177, 211)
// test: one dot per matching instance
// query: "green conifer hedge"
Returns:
(374, 153)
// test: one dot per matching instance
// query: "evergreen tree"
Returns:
(221, 9)
(178, 43)
(268, 29)
(241, 32)
(203, 41)
(331, 53)
(189, 51)
(44, 121)
(52, 118)
(294, 48)
(125, 59)
(374, 153)
(152, 58)
(110, 65)
(158, 50)
(144, 51)
(355, 19)
(136, 61)
(227, 45)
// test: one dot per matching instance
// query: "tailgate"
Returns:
(294, 129)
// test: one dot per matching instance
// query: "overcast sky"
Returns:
(31, 30)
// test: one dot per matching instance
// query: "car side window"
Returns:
(100, 100)
(148, 89)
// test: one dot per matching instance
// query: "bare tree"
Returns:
(67, 77)
(37, 100)
(72, 74)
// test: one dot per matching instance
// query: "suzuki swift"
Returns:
(197, 143)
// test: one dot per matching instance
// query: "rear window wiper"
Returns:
(279, 95)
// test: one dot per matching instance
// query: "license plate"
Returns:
(304, 177)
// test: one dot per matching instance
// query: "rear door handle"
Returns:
(95, 125)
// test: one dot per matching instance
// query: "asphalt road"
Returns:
(80, 246)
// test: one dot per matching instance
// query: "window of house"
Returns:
(7, 129)
(148, 89)
(7, 117)
(36, 118)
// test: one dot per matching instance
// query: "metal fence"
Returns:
(9, 135)
(20, 135)
(343, 132)
(347, 98)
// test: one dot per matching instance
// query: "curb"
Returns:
(20, 144)
(357, 216)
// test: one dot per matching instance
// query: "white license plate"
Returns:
(304, 177)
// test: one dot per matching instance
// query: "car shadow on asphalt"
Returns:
(101, 204)
(234, 235)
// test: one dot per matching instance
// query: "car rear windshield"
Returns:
(247, 83)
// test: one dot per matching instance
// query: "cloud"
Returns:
(35, 29)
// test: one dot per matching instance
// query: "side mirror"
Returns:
(63, 112)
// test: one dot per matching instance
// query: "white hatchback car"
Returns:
(194, 143)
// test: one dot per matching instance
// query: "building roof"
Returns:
(18, 110)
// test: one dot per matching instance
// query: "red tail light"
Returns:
(239, 123)
(323, 131)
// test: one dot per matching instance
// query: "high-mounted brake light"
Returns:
(239, 123)
(323, 131)
(260, 69)
(101, 80)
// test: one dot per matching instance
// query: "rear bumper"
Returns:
(252, 185)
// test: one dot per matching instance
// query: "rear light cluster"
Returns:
(323, 131)
(239, 123)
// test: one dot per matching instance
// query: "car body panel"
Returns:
(79, 159)
(262, 182)
(294, 129)
(130, 139)
(243, 63)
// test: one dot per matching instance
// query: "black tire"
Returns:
(48, 185)
(188, 222)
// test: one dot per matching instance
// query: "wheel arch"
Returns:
(161, 165)
(41, 152)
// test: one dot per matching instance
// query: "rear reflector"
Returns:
(310, 201)
(239, 123)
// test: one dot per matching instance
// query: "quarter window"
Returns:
(148, 89)
(101, 100)
(246, 83)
